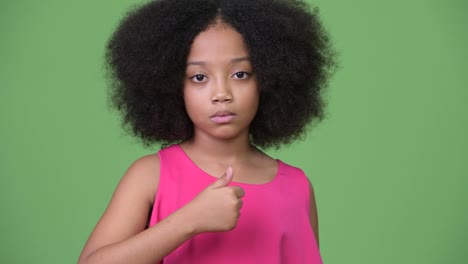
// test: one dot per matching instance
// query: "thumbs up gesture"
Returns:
(217, 207)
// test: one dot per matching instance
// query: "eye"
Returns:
(198, 78)
(241, 75)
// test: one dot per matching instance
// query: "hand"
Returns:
(217, 207)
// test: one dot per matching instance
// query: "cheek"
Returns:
(253, 98)
(250, 103)
(192, 104)
(189, 96)
(188, 104)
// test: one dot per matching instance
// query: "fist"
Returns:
(217, 207)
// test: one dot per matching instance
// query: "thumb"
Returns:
(224, 180)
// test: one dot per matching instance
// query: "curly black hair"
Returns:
(290, 52)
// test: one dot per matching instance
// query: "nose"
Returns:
(221, 92)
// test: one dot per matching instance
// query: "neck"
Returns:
(229, 150)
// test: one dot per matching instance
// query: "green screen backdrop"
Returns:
(389, 164)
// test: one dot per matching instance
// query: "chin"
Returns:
(227, 134)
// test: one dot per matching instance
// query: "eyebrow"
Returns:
(235, 60)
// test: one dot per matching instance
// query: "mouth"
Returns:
(222, 117)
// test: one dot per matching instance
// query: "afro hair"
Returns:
(290, 52)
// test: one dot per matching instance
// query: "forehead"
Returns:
(217, 43)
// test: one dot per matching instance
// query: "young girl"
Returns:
(214, 80)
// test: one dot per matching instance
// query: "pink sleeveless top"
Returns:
(273, 227)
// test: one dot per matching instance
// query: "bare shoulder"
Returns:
(140, 181)
(144, 171)
(142, 177)
(128, 209)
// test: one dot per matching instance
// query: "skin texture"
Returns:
(219, 149)
(220, 79)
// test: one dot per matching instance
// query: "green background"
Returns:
(389, 164)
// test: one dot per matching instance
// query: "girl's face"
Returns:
(220, 88)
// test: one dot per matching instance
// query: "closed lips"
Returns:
(222, 113)
(222, 117)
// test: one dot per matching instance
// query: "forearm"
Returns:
(149, 246)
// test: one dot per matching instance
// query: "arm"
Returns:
(120, 235)
(313, 213)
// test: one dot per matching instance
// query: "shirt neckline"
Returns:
(275, 178)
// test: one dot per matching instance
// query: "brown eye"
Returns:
(198, 78)
(240, 75)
